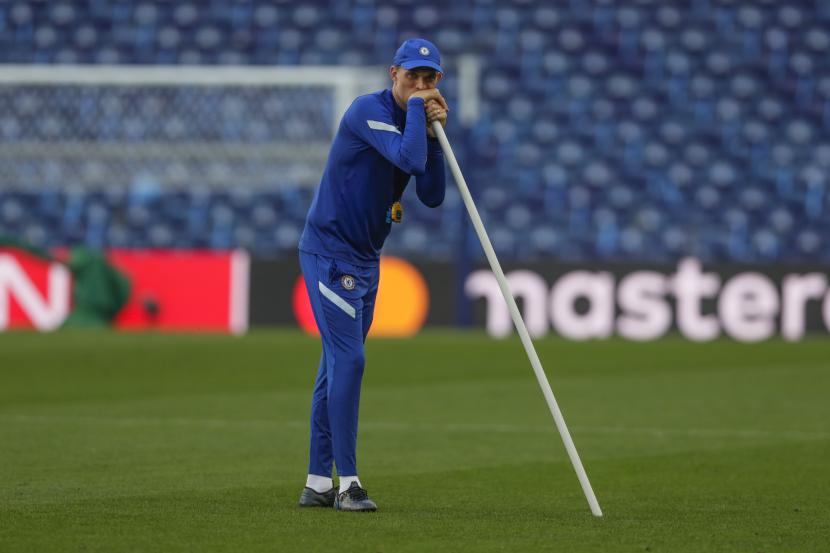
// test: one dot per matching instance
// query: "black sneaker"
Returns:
(354, 499)
(310, 498)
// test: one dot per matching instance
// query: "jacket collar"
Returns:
(398, 114)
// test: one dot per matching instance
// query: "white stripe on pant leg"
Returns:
(337, 300)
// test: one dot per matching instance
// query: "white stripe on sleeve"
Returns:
(381, 126)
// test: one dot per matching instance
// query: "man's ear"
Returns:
(393, 72)
(438, 77)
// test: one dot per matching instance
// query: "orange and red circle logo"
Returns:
(401, 306)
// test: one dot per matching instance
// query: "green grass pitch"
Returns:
(117, 442)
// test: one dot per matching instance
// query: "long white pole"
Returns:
(517, 319)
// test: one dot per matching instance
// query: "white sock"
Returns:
(346, 481)
(319, 484)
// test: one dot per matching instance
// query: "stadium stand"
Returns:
(608, 131)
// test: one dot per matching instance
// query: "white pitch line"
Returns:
(745, 433)
(142, 421)
(710, 432)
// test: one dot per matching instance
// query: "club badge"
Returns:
(424, 51)
(395, 213)
(347, 282)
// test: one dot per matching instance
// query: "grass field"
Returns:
(198, 443)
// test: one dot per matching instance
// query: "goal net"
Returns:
(126, 126)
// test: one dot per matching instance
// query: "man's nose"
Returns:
(420, 84)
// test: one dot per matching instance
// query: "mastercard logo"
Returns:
(401, 306)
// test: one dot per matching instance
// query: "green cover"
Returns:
(100, 289)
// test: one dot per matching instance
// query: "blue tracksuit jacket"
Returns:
(377, 149)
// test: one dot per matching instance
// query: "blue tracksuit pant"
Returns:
(343, 301)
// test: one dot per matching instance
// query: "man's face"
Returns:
(407, 81)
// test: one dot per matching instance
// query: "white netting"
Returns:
(171, 127)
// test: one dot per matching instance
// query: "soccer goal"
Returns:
(170, 126)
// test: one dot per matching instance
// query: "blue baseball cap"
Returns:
(418, 52)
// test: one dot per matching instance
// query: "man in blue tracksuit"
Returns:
(383, 139)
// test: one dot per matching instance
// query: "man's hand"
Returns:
(435, 112)
(431, 94)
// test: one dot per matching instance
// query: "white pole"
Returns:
(517, 319)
